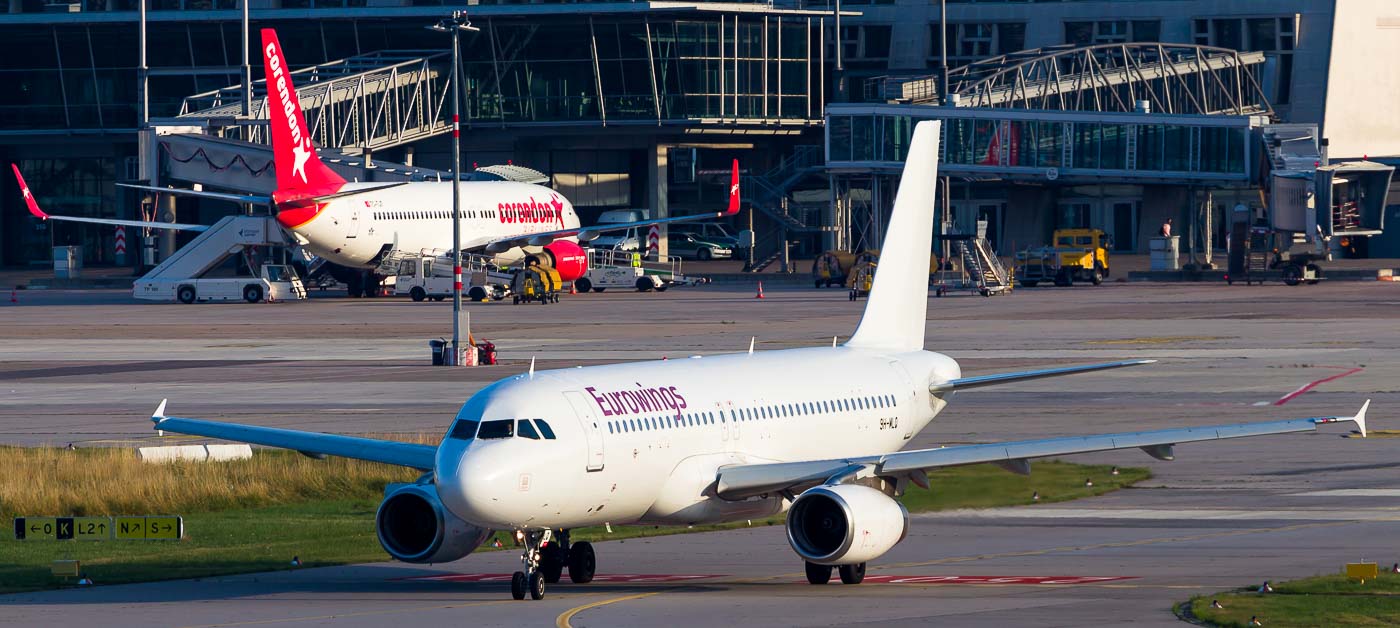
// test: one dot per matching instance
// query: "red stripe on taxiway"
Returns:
(1311, 385)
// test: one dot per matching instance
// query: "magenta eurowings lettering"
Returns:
(643, 399)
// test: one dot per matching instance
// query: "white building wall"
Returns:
(1362, 115)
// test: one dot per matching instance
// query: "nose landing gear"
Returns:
(547, 553)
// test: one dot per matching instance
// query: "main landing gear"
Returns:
(547, 553)
(821, 574)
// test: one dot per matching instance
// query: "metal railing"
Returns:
(370, 102)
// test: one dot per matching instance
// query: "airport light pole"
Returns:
(455, 24)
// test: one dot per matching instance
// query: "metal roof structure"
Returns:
(1172, 78)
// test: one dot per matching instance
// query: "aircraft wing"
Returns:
(743, 481)
(309, 443)
(591, 232)
(34, 209)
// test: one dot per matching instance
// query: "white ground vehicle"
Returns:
(625, 270)
(629, 240)
(429, 276)
(275, 282)
(423, 278)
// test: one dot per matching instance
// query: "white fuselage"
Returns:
(664, 429)
(417, 217)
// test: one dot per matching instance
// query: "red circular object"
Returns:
(569, 259)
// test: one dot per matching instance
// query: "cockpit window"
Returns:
(464, 430)
(545, 429)
(527, 430)
(497, 429)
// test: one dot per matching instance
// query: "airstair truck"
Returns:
(193, 273)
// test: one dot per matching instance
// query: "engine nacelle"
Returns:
(845, 524)
(565, 256)
(414, 527)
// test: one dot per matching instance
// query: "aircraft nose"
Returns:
(474, 484)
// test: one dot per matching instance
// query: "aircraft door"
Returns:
(903, 379)
(593, 432)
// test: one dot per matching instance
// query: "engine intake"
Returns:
(845, 524)
(415, 527)
(564, 256)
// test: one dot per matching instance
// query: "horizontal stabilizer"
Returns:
(1021, 376)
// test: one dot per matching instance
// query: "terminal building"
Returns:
(1109, 114)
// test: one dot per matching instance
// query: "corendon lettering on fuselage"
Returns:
(643, 399)
(532, 211)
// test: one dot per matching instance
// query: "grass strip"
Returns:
(1331, 600)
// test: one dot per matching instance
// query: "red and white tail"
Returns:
(298, 168)
(733, 190)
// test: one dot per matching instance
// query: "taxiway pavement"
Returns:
(88, 368)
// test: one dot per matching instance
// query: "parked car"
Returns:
(695, 246)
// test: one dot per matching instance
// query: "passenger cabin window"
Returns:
(464, 430)
(527, 430)
(497, 429)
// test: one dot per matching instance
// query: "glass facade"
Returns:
(619, 69)
(1095, 146)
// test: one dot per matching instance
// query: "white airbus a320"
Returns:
(714, 439)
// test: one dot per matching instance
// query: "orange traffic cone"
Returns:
(572, 289)
(760, 291)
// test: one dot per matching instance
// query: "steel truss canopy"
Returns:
(1171, 78)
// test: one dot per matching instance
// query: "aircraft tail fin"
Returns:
(295, 160)
(898, 305)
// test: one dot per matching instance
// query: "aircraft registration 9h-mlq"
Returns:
(361, 224)
(714, 439)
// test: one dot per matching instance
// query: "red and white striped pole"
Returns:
(121, 245)
(456, 194)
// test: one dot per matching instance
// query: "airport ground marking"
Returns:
(563, 620)
(1315, 383)
(386, 611)
(1115, 544)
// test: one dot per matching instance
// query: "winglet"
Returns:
(159, 414)
(1360, 418)
(733, 190)
(29, 196)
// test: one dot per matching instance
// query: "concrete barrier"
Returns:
(172, 453)
(229, 452)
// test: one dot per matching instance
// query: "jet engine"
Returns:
(415, 527)
(564, 256)
(845, 524)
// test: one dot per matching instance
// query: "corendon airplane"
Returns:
(360, 224)
(714, 439)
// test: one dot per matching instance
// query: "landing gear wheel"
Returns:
(852, 574)
(818, 574)
(1292, 275)
(582, 284)
(417, 294)
(518, 584)
(536, 586)
(186, 294)
(582, 562)
(553, 558)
